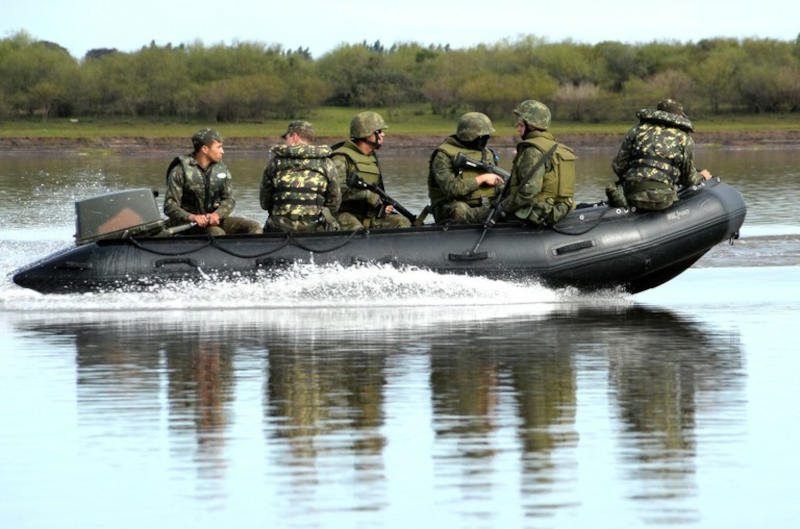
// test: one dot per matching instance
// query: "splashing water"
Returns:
(306, 286)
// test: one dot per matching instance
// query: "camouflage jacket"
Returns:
(299, 181)
(659, 150)
(192, 190)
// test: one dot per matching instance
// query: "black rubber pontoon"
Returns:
(593, 248)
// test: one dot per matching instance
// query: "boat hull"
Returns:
(593, 248)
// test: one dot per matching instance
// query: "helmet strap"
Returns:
(529, 128)
(374, 144)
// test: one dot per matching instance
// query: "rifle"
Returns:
(461, 161)
(354, 180)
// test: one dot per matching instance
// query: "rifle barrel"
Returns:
(356, 180)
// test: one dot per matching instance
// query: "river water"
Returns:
(373, 397)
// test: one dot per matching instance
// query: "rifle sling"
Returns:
(506, 188)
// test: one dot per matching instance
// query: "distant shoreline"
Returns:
(10, 146)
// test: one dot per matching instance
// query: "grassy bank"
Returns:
(333, 122)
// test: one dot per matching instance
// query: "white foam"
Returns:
(306, 287)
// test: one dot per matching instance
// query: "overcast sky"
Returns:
(80, 25)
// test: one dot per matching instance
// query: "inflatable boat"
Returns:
(594, 247)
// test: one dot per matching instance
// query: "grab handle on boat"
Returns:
(177, 260)
(470, 256)
(573, 247)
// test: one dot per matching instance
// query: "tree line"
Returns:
(251, 81)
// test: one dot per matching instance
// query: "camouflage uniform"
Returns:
(543, 196)
(361, 207)
(192, 190)
(455, 195)
(300, 189)
(656, 157)
(547, 195)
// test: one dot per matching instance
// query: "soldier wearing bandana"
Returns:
(199, 190)
(655, 159)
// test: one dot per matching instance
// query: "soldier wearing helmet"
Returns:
(199, 190)
(362, 208)
(541, 189)
(655, 158)
(463, 196)
(299, 186)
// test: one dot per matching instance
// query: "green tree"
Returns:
(584, 102)
(161, 73)
(764, 81)
(567, 62)
(448, 71)
(363, 76)
(496, 95)
(616, 63)
(657, 56)
(714, 75)
(114, 84)
(639, 93)
(34, 76)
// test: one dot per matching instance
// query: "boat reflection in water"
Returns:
(339, 409)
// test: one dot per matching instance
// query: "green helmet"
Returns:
(473, 125)
(365, 123)
(534, 114)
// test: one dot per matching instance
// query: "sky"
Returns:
(81, 25)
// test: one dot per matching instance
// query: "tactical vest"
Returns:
(560, 173)
(212, 181)
(366, 165)
(664, 167)
(451, 149)
(300, 184)
(658, 152)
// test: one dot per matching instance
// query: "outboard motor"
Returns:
(118, 215)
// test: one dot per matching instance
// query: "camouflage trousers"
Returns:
(649, 195)
(307, 224)
(545, 212)
(458, 212)
(349, 222)
(228, 226)
(616, 196)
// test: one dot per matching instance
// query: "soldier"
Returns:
(362, 208)
(656, 157)
(463, 196)
(299, 187)
(199, 190)
(541, 192)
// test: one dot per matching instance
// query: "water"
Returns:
(372, 397)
